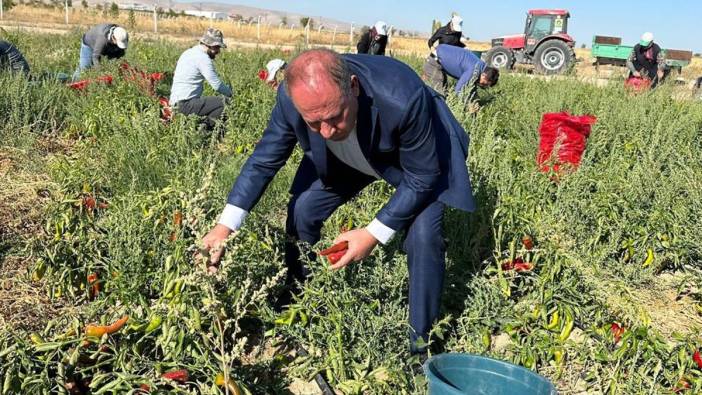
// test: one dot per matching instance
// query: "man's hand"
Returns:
(661, 73)
(212, 243)
(361, 244)
(636, 74)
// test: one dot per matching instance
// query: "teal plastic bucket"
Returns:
(461, 374)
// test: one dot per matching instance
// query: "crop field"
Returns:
(102, 207)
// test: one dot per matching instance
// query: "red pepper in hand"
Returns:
(180, 375)
(335, 252)
(334, 257)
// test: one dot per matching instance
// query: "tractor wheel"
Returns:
(553, 57)
(500, 58)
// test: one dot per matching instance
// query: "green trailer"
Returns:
(609, 50)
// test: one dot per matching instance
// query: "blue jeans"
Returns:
(86, 60)
(314, 202)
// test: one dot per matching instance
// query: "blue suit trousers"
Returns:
(314, 202)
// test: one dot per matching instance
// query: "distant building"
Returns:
(135, 7)
(207, 14)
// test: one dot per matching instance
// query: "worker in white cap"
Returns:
(374, 40)
(647, 60)
(105, 39)
(450, 34)
(274, 73)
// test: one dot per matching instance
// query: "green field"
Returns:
(156, 189)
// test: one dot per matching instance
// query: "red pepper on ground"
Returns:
(518, 265)
(681, 386)
(528, 242)
(697, 358)
(99, 330)
(177, 218)
(89, 202)
(94, 285)
(180, 375)
(617, 331)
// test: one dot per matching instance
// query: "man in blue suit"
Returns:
(360, 118)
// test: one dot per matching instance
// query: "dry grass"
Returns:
(267, 35)
(194, 27)
(23, 303)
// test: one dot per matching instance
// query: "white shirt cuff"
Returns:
(381, 232)
(232, 217)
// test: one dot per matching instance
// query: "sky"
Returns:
(676, 24)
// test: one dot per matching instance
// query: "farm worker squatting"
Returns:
(359, 119)
(195, 66)
(11, 59)
(275, 72)
(374, 40)
(105, 39)
(461, 64)
(647, 61)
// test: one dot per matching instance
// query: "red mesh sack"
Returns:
(637, 84)
(568, 134)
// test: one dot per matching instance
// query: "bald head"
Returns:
(318, 69)
(324, 92)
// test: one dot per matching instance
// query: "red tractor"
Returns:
(545, 43)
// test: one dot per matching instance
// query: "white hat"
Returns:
(121, 37)
(456, 23)
(381, 28)
(646, 39)
(273, 66)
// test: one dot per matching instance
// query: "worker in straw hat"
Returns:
(105, 39)
(647, 60)
(374, 40)
(195, 66)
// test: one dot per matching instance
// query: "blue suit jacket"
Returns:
(405, 130)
